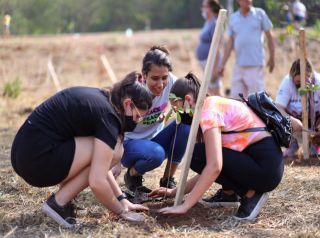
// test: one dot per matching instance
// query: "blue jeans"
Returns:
(146, 155)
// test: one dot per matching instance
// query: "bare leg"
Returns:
(77, 179)
(73, 187)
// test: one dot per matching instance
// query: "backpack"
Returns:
(277, 124)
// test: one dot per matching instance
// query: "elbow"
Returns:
(214, 172)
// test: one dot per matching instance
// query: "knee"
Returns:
(271, 181)
(157, 156)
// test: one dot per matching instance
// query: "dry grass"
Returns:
(293, 209)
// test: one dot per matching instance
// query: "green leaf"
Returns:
(191, 112)
(302, 91)
(178, 118)
(166, 119)
(180, 110)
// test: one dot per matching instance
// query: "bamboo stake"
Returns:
(201, 97)
(108, 68)
(305, 138)
(53, 75)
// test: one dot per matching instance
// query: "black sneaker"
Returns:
(168, 182)
(134, 183)
(64, 215)
(221, 199)
(250, 207)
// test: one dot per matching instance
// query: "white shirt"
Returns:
(247, 32)
(149, 127)
(299, 9)
(288, 96)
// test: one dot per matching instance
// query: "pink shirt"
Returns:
(230, 115)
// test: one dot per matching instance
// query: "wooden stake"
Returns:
(305, 138)
(201, 97)
(53, 75)
(108, 68)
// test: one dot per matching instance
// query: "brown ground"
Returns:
(293, 209)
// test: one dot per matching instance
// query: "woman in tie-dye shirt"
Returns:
(246, 164)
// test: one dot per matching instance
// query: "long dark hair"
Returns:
(189, 84)
(157, 55)
(185, 85)
(130, 87)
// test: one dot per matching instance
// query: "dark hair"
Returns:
(183, 86)
(157, 55)
(214, 5)
(131, 87)
(295, 68)
(188, 84)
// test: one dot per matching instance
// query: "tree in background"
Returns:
(65, 16)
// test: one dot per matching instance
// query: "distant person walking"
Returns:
(299, 11)
(6, 24)
(246, 27)
(287, 14)
(209, 11)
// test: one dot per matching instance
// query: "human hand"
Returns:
(270, 64)
(161, 117)
(132, 216)
(133, 207)
(181, 209)
(161, 192)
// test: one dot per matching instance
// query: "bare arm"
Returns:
(227, 51)
(212, 169)
(98, 177)
(200, 184)
(295, 123)
(271, 50)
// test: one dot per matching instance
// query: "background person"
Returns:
(6, 24)
(147, 146)
(209, 11)
(299, 11)
(289, 99)
(246, 164)
(246, 28)
(71, 140)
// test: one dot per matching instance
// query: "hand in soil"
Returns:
(173, 210)
(161, 192)
(134, 207)
(133, 216)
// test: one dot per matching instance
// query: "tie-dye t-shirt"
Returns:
(230, 115)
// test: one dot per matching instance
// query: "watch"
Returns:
(121, 197)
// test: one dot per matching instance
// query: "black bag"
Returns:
(277, 124)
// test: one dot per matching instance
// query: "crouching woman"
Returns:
(73, 139)
(247, 165)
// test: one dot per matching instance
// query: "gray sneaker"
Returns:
(63, 215)
(250, 207)
(221, 199)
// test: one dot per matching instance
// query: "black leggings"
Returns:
(259, 167)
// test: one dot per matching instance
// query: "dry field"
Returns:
(293, 209)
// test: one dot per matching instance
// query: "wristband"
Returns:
(121, 197)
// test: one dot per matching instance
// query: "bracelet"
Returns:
(121, 197)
